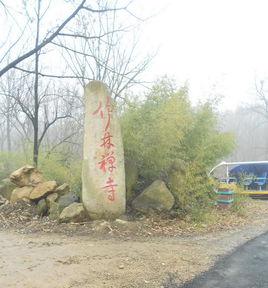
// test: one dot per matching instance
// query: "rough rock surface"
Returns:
(51, 198)
(21, 193)
(54, 211)
(41, 207)
(73, 213)
(103, 176)
(6, 188)
(43, 189)
(156, 197)
(63, 189)
(26, 176)
(66, 200)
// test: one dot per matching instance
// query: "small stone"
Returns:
(121, 266)
(43, 189)
(51, 198)
(63, 189)
(26, 176)
(22, 193)
(41, 207)
(67, 199)
(119, 221)
(101, 226)
(124, 217)
(54, 211)
(73, 213)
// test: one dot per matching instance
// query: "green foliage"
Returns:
(193, 190)
(240, 201)
(131, 172)
(167, 138)
(203, 142)
(10, 162)
(56, 167)
(152, 130)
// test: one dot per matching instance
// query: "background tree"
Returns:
(106, 56)
(45, 96)
(249, 125)
(166, 137)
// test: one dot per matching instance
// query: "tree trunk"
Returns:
(36, 98)
(8, 126)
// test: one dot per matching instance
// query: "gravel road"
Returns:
(53, 260)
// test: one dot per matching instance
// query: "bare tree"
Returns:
(249, 124)
(53, 33)
(7, 107)
(107, 56)
(261, 104)
(90, 40)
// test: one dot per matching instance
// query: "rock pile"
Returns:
(47, 198)
(27, 184)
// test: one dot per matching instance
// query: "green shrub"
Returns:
(240, 201)
(193, 190)
(169, 139)
(63, 165)
(204, 143)
(10, 162)
(152, 130)
(56, 167)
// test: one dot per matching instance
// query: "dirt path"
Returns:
(52, 260)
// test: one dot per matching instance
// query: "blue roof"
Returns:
(257, 169)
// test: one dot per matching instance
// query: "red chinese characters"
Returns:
(99, 111)
(107, 140)
(109, 111)
(107, 161)
(110, 188)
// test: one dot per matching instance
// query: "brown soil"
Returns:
(137, 253)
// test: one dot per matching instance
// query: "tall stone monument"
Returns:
(103, 176)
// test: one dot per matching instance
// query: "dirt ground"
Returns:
(33, 256)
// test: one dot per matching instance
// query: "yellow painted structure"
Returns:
(239, 190)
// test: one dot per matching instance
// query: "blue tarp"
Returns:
(258, 170)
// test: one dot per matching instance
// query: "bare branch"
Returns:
(49, 75)
(47, 125)
(43, 43)
(91, 37)
(64, 140)
(104, 10)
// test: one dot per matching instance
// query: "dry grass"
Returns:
(22, 217)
